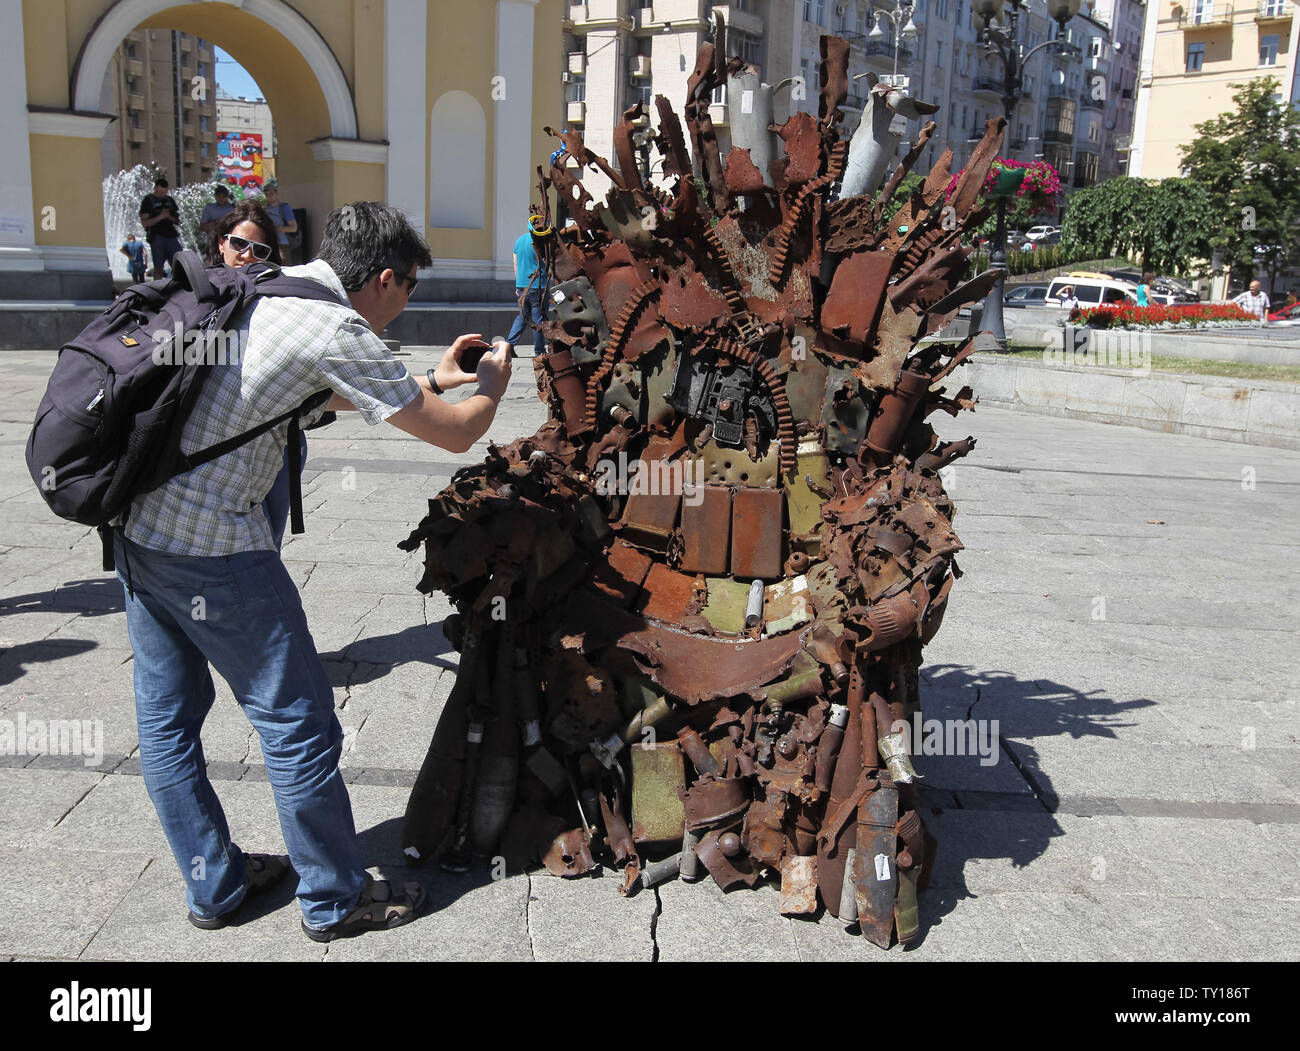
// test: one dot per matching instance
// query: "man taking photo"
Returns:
(205, 583)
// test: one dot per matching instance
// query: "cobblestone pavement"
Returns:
(1127, 616)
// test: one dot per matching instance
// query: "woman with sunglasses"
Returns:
(248, 235)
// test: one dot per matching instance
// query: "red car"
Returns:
(1291, 313)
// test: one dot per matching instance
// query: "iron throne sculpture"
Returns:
(690, 608)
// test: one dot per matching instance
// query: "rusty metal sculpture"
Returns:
(690, 608)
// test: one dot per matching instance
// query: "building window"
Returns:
(577, 87)
(203, 124)
(1268, 49)
(1195, 57)
(749, 48)
(941, 9)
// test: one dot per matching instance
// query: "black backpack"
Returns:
(109, 426)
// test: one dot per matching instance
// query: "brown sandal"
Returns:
(379, 908)
(262, 872)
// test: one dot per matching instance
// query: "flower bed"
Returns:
(1189, 315)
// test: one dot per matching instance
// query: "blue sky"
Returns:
(235, 78)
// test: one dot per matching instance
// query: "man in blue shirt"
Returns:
(530, 289)
(134, 252)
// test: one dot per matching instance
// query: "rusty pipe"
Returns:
(897, 408)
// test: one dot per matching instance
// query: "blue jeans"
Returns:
(533, 308)
(243, 614)
(163, 249)
(276, 504)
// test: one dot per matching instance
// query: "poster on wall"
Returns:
(239, 159)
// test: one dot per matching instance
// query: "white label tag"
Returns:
(882, 867)
(746, 102)
(558, 296)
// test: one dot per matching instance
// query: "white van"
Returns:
(1091, 291)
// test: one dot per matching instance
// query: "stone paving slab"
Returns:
(54, 901)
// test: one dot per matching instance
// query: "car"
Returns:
(1286, 315)
(1017, 242)
(1025, 296)
(1090, 291)
(1037, 233)
(1046, 240)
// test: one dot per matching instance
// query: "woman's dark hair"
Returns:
(365, 237)
(248, 212)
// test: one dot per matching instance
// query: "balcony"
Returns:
(1059, 91)
(134, 67)
(577, 62)
(135, 102)
(742, 21)
(577, 112)
(885, 49)
(138, 134)
(1088, 102)
(1273, 10)
(975, 135)
(1059, 134)
(988, 86)
(640, 65)
(1214, 18)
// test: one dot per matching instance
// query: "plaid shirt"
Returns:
(1253, 303)
(292, 349)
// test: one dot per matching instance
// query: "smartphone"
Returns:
(470, 358)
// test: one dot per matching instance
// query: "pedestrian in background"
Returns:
(530, 288)
(1144, 289)
(212, 214)
(135, 261)
(286, 225)
(1253, 301)
(160, 216)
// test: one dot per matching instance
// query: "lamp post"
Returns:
(999, 31)
(905, 29)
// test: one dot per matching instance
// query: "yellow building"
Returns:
(436, 106)
(1193, 52)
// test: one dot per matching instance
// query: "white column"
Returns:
(512, 130)
(17, 231)
(1145, 85)
(405, 106)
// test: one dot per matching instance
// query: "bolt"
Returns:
(729, 844)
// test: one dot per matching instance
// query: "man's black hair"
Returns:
(160, 181)
(365, 237)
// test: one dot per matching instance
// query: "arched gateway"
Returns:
(352, 85)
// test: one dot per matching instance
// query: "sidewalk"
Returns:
(1127, 614)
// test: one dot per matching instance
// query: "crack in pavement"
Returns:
(654, 925)
(78, 800)
(528, 917)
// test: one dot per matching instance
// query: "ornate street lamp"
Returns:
(905, 29)
(997, 23)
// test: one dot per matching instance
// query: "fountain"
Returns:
(123, 192)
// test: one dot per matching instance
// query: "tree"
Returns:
(1168, 221)
(1249, 161)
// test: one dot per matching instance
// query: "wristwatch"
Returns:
(433, 382)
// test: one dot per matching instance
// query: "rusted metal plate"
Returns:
(725, 609)
(756, 520)
(876, 864)
(619, 575)
(666, 594)
(798, 885)
(714, 801)
(658, 778)
(706, 530)
(857, 288)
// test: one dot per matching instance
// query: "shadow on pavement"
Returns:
(1010, 805)
(372, 658)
